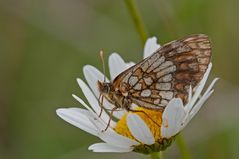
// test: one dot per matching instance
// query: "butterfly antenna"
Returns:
(103, 63)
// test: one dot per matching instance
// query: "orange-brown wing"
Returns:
(167, 73)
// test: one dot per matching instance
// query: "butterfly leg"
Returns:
(100, 101)
(141, 111)
(111, 116)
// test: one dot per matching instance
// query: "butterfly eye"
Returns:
(106, 87)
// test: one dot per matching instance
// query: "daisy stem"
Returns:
(182, 147)
(140, 27)
(156, 155)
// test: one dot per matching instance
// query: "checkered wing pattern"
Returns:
(167, 73)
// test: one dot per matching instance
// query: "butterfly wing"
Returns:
(167, 73)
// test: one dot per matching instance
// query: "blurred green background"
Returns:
(44, 45)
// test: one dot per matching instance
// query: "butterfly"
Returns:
(168, 73)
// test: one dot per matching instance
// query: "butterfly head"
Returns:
(105, 87)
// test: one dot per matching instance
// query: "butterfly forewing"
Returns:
(167, 73)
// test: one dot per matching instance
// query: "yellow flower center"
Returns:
(153, 120)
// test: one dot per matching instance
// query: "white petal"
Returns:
(130, 64)
(190, 92)
(116, 65)
(205, 96)
(139, 129)
(78, 118)
(173, 117)
(199, 104)
(150, 47)
(117, 113)
(115, 139)
(199, 89)
(82, 102)
(104, 147)
(201, 101)
(87, 107)
(211, 85)
(92, 75)
(110, 136)
(92, 100)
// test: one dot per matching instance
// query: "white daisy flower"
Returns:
(132, 131)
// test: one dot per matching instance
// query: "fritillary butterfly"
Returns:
(166, 74)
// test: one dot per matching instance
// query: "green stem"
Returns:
(182, 147)
(156, 155)
(137, 19)
(140, 27)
